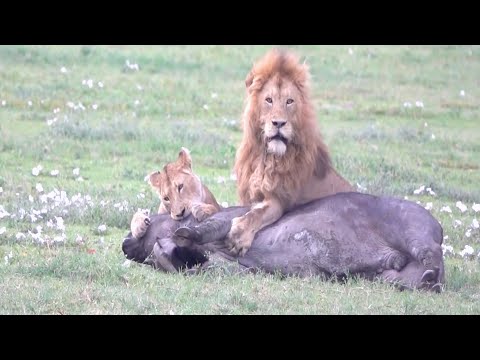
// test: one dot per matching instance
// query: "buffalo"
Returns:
(373, 237)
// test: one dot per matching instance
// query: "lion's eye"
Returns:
(166, 198)
(289, 101)
(180, 187)
(269, 100)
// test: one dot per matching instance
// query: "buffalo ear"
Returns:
(184, 158)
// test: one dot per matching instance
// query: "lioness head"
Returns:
(277, 91)
(178, 187)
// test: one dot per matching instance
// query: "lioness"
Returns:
(282, 160)
(181, 192)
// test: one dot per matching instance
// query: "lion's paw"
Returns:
(198, 213)
(139, 225)
(240, 238)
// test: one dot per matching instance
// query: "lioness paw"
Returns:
(202, 211)
(139, 225)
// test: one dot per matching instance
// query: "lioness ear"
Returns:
(184, 158)
(154, 179)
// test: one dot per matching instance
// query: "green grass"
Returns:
(144, 117)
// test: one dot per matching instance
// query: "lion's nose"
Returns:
(279, 123)
(181, 214)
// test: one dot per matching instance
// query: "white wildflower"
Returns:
(205, 106)
(8, 257)
(224, 204)
(29, 103)
(60, 224)
(39, 187)
(79, 239)
(2, 230)
(1, 190)
(132, 66)
(50, 122)
(70, 104)
(102, 228)
(446, 208)
(429, 206)
(476, 207)
(221, 180)
(141, 196)
(430, 191)
(100, 84)
(76, 171)
(127, 263)
(139, 87)
(433, 136)
(54, 172)
(468, 233)
(457, 223)
(20, 236)
(3, 212)
(425, 124)
(475, 224)
(94, 106)
(214, 95)
(419, 104)
(63, 70)
(447, 249)
(4, 103)
(350, 51)
(419, 190)
(407, 104)
(137, 102)
(468, 250)
(60, 238)
(360, 187)
(79, 178)
(36, 170)
(30, 198)
(462, 93)
(461, 206)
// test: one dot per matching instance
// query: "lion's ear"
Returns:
(184, 158)
(249, 79)
(154, 179)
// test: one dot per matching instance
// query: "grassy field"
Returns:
(81, 126)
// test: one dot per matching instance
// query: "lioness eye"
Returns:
(180, 187)
(289, 101)
(166, 198)
(269, 100)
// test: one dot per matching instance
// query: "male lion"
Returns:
(282, 160)
(181, 193)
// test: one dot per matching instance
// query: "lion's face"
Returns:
(178, 187)
(278, 103)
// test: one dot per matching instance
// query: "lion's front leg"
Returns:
(244, 228)
(202, 211)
